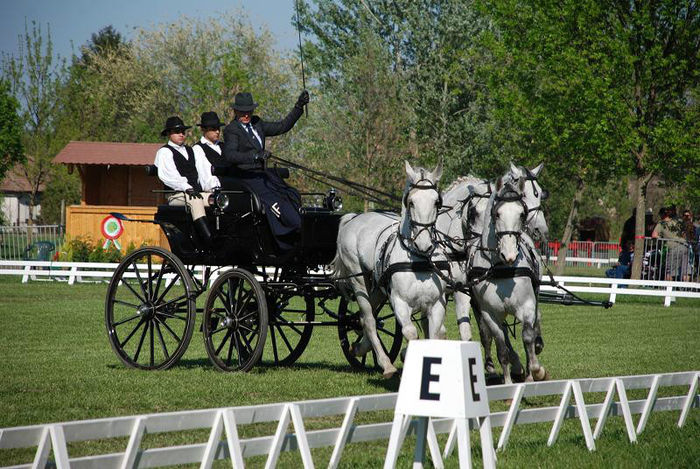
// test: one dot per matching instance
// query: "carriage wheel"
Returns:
(288, 338)
(150, 309)
(235, 321)
(350, 332)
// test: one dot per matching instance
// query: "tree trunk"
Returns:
(640, 225)
(569, 228)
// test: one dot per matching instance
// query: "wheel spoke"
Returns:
(289, 325)
(138, 276)
(150, 276)
(244, 301)
(152, 343)
(173, 301)
(230, 352)
(126, 303)
(273, 337)
(143, 336)
(141, 299)
(159, 280)
(284, 338)
(119, 323)
(162, 340)
(168, 287)
(387, 331)
(169, 329)
(223, 341)
(132, 333)
(238, 348)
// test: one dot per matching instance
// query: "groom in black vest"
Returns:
(178, 170)
(244, 149)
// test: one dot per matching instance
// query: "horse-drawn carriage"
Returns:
(472, 240)
(258, 302)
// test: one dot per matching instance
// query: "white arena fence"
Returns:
(54, 438)
(72, 272)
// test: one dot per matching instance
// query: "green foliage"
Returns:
(61, 186)
(82, 249)
(11, 150)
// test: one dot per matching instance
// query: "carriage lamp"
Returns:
(218, 200)
(333, 201)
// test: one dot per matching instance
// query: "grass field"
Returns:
(56, 365)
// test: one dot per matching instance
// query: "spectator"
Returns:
(624, 263)
(677, 253)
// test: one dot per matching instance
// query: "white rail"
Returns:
(72, 272)
(56, 436)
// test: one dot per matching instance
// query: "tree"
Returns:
(11, 150)
(601, 88)
(430, 49)
(35, 78)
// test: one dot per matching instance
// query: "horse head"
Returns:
(508, 217)
(475, 209)
(533, 195)
(420, 206)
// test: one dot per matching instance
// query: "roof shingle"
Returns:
(103, 153)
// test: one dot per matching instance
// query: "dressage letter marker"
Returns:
(441, 378)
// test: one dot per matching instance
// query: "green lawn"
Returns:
(57, 365)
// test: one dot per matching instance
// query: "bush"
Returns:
(82, 249)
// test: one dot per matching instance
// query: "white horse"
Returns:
(462, 224)
(370, 243)
(505, 268)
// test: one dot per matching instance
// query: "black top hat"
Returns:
(174, 123)
(244, 102)
(210, 120)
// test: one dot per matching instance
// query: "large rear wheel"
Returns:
(350, 332)
(235, 321)
(150, 309)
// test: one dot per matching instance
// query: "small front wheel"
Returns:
(235, 321)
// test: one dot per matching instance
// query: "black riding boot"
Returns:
(202, 226)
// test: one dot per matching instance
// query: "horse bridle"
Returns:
(545, 194)
(511, 196)
(429, 226)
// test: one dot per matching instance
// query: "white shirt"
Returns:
(255, 132)
(207, 180)
(167, 171)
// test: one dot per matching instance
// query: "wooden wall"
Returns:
(86, 221)
(119, 185)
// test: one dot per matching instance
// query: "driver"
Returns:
(244, 150)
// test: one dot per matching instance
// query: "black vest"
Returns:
(186, 167)
(211, 154)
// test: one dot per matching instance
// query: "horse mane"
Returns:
(457, 182)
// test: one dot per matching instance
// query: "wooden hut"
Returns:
(113, 180)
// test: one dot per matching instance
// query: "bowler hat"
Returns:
(210, 119)
(244, 102)
(174, 123)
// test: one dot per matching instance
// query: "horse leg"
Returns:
(369, 327)
(534, 369)
(436, 321)
(462, 312)
(501, 348)
(485, 337)
(517, 371)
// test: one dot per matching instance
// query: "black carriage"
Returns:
(259, 303)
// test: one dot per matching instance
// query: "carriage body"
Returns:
(242, 235)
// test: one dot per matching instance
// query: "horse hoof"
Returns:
(546, 376)
(388, 373)
(529, 379)
(540, 374)
(508, 402)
